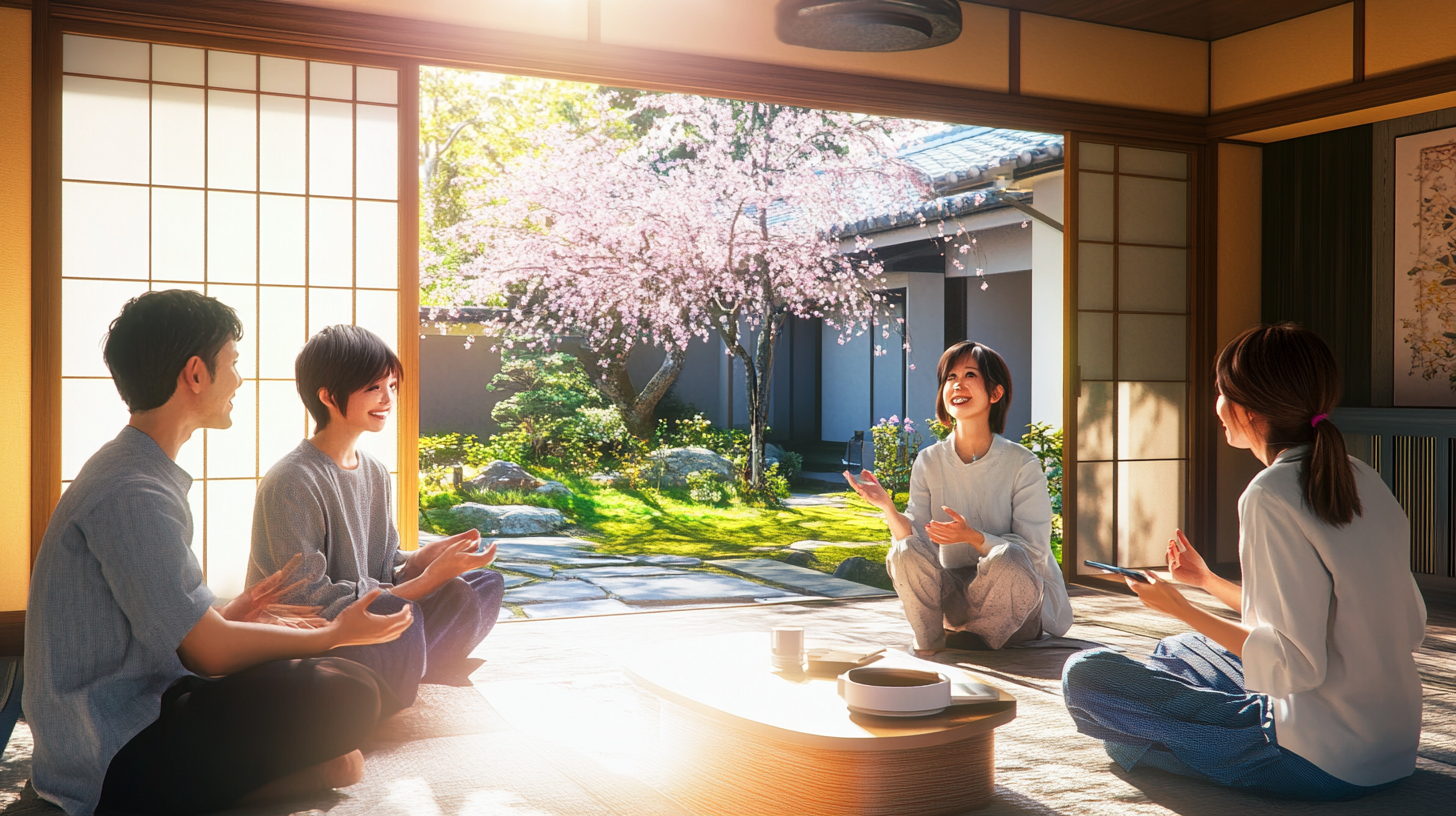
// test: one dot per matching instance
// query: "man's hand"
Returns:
(416, 562)
(357, 626)
(449, 561)
(261, 602)
(955, 531)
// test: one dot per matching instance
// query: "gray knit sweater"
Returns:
(345, 518)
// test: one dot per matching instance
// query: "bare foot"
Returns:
(926, 654)
(339, 772)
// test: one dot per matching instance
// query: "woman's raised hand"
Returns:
(1185, 565)
(871, 490)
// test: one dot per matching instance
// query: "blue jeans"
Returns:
(448, 624)
(1186, 711)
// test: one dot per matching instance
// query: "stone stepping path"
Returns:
(513, 581)
(814, 500)
(544, 591)
(555, 554)
(669, 560)
(576, 609)
(504, 614)
(687, 588)
(803, 579)
(594, 573)
(534, 570)
(536, 541)
(812, 545)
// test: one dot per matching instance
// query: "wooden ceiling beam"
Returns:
(294, 27)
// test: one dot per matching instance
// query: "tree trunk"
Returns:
(758, 378)
(613, 381)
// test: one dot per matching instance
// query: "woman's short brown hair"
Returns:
(993, 370)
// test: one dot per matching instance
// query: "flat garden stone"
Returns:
(817, 545)
(554, 540)
(765, 549)
(801, 578)
(572, 609)
(595, 574)
(547, 591)
(554, 554)
(513, 581)
(505, 613)
(509, 519)
(811, 500)
(667, 560)
(538, 570)
(687, 588)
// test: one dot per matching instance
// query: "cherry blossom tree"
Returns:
(685, 217)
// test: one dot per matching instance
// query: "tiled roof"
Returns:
(952, 158)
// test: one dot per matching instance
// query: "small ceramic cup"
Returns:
(786, 647)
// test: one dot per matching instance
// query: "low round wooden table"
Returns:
(742, 739)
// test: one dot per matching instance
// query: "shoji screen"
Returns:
(1131, 416)
(268, 183)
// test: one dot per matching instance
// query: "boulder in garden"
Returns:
(499, 475)
(671, 466)
(509, 519)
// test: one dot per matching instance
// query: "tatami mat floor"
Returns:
(553, 725)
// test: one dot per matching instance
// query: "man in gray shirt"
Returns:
(330, 502)
(140, 695)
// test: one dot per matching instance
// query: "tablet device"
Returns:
(1131, 573)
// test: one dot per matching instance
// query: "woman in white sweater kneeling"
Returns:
(971, 555)
(1313, 692)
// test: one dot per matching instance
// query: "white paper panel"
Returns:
(1146, 162)
(281, 421)
(377, 237)
(1151, 347)
(1094, 276)
(87, 309)
(171, 63)
(281, 240)
(233, 451)
(1096, 506)
(1093, 156)
(196, 498)
(228, 70)
(1152, 211)
(229, 532)
(379, 312)
(1094, 345)
(189, 458)
(92, 414)
(329, 307)
(179, 136)
(1152, 279)
(282, 144)
(377, 85)
(1152, 420)
(1095, 416)
(244, 301)
(232, 237)
(331, 80)
(178, 229)
(330, 242)
(232, 140)
(1150, 497)
(279, 75)
(287, 330)
(1094, 212)
(104, 130)
(103, 57)
(330, 148)
(377, 134)
(103, 231)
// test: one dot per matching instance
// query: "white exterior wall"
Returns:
(1047, 315)
(925, 314)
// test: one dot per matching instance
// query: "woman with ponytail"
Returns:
(1313, 693)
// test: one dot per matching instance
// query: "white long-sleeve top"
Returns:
(1336, 615)
(1004, 496)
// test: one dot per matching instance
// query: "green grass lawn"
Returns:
(668, 522)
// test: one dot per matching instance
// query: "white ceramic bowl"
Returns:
(901, 692)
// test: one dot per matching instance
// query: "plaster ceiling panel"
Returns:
(744, 29)
(551, 18)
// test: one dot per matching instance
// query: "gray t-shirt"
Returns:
(114, 590)
(308, 504)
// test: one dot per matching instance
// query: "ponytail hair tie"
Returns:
(1317, 418)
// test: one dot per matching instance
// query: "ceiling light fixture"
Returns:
(869, 25)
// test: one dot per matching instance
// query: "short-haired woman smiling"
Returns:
(972, 551)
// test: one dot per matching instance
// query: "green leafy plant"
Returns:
(706, 488)
(896, 446)
(940, 429)
(1045, 441)
(774, 490)
(791, 464)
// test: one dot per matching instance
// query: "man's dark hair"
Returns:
(155, 335)
(341, 360)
